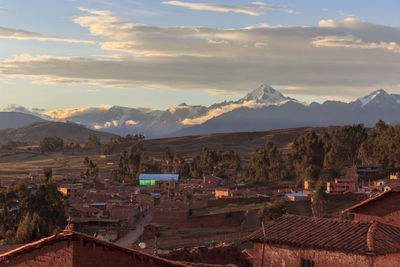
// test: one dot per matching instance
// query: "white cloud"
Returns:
(350, 41)
(255, 9)
(16, 34)
(95, 12)
(62, 114)
(221, 110)
(131, 122)
(345, 14)
(338, 55)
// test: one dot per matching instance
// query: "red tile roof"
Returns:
(71, 235)
(372, 238)
(372, 199)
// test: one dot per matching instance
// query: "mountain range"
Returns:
(261, 109)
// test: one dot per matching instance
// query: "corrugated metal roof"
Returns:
(159, 177)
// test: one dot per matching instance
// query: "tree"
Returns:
(265, 164)
(209, 159)
(344, 146)
(168, 159)
(195, 167)
(31, 228)
(319, 200)
(28, 216)
(308, 156)
(47, 174)
(51, 144)
(272, 211)
(91, 172)
(93, 141)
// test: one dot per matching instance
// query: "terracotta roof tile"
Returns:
(330, 234)
(71, 235)
(372, 199)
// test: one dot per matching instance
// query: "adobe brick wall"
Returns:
(244, 200)
(390, 260)
(385, 210)
(228, 254)
(275, 256)
(58, 254)
(216, 220)
(81, 253)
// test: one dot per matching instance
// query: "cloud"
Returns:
(350, 41)
(345, 56)
(221, 110)
(62, 114)
(16, 34)
(3, 9)
(131, 122)
(255, 9)
(95, 12)
(345, 14)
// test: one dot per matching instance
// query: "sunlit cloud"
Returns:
(16, 34)
(343, 56)
(255, 9)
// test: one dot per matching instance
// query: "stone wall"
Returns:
(222, 254)
(285, 256)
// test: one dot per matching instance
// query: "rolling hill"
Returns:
(34, 132)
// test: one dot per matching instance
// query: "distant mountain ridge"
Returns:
(34, 132)
(261, 109)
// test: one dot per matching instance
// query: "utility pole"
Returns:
(263, 249)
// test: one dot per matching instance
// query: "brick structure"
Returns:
(384, 208)
(294, 240)
(76, 249)
(341, 185)
(170, 213)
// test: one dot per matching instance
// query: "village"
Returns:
(167, 216)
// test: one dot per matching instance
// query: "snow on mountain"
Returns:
(262, 96)
(265, 94)
(379, 99)
(262, 108)
(367, 99)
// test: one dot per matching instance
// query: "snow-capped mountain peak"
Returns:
(379, 96)
(265, 94)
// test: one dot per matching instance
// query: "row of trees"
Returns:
(28, 215)
(343, 147)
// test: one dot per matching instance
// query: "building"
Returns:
(73, 249)
(150, 179)
(294, 240)
(395, 176)
(297, 197)
(222, 193)
(170, 213)
(341, 185)
(211, 180)
(69, 191)
(384, 208)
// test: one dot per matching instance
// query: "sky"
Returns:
(78, 53)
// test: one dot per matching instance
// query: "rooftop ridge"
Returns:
(371, 235)
(367, 238)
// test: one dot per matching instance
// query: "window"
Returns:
(307, 263)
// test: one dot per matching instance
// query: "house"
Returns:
(211, 180)
(150, 231)
(69, 191)
(168, 187)
(150, 179)
(341, 185)
(384, 208)
(395, 176)
(170, 213)
(75, 249)
(297, 197)
(294, 240)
